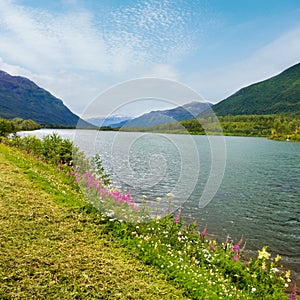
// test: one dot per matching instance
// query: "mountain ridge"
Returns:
(183, 112)
(279, 94)
(23, 98)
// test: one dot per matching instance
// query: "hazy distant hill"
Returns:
(20, 97)
(277, 95)
(108, 121)
(185, 112)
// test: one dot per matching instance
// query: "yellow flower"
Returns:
(158, 199)
(263, 254)
(277, 258)
(288, 274)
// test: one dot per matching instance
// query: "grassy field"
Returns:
(51, 248)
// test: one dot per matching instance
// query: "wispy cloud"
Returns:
(59, 50)
(148, 32)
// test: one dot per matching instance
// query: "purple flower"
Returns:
(236, 247)
(177, 218)
(293, 295)
(203, 233)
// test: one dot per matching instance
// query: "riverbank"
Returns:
(52, 248)
(64, 248)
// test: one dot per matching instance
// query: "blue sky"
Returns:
(77, 49)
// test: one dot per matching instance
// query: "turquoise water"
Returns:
(259, 197)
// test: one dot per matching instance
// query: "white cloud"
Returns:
(76, 53)
(163, 71)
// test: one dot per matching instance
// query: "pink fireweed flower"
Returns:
(102, 192)
(95, 184)
(240, 241)
(177, 218)
(242, 250)
(293, 295)
(236, 247)
(203, 233)
(116, 195)
(236, 257)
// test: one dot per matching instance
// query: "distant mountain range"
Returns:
(184, 112)
(277, 95)
(20, 97)
(108, 121)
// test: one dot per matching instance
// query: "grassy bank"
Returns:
(56, 245)
(53, 248)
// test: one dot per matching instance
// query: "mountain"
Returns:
(277, 95)
(108, 121)
(184, 112)
(20, 97)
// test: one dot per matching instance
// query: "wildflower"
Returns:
(236, 257)
(236, 247)
(246, 263)
(242, 250)
(203, 233)
(227, 239)
(170, 195)
(293, 295)
(263, 254)
(158, 199)
(240, 241)
(177, 218)
(277, 258)
(253, 290)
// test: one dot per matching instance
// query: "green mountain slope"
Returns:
(20, 97)
(277, 95)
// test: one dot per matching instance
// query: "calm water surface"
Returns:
(259, 197)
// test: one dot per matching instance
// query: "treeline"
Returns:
(273, 126)
(16, 124)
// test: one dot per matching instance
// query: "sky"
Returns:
(89, 52)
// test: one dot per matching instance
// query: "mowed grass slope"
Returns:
(51, 248)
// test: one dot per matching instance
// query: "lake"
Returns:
(258, 197)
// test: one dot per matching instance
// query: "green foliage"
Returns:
(12, 126)
(98, 169)
(204, 267)
(56, 149)
(52, 148)
(6, 127)
(273, 126)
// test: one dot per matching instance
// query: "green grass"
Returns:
(55, 245)
(51, 248)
